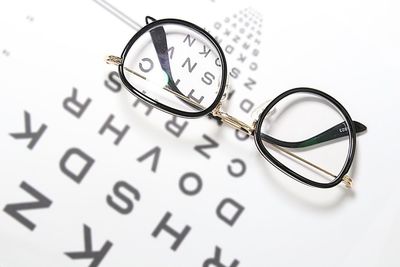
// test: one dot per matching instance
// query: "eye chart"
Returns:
(92, 176)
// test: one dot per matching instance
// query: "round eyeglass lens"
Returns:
(307, 134)
(175, 65)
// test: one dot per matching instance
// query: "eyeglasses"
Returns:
(180, 68)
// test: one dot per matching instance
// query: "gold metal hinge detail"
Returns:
(114, 60)
(347, 181)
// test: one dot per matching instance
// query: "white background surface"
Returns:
(349, 49)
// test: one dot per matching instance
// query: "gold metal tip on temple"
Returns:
(347, 181)
(114, 60)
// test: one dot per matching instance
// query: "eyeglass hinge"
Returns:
(114, 60)
(347, 181)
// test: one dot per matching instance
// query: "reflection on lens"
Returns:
(175, 65)
(307, 134)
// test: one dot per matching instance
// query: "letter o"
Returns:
(183, 184)
(151, 65)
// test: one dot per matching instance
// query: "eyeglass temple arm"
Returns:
(336, 132)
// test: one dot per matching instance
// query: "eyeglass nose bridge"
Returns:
(232, 121)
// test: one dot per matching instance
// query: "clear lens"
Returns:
(307, 134)
(175, 65)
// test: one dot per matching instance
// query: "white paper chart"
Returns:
(92, 176)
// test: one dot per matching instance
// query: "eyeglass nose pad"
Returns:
(260, 108)
(227, 89)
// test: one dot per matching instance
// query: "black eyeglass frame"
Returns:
(268, 156)
(161, 106)
(255, 129)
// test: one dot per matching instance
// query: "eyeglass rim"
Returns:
(161, 106)
(287, 170)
